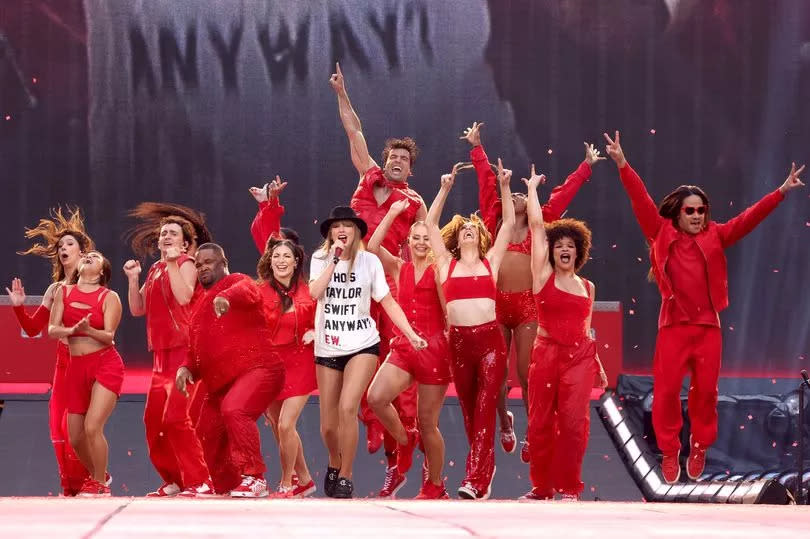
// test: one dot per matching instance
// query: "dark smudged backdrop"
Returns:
(194, 102)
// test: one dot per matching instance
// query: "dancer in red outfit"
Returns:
(290, 312)
(514, 305)
(65, 239)
(689, 266)
(564, 360)
(165, 299)
(421, 298)
(377, 190)
(468, 270)
(229, 337)
(87, 315)
(344, 279)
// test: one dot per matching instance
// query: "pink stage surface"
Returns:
(140, 517)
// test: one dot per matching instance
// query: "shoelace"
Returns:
(246, 480)
(389, 478)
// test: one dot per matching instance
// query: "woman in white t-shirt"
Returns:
(344, 278)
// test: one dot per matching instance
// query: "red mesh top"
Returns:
(95, 300)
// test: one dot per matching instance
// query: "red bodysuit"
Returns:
(72, 472)
(561, 375)
(174, 448)
(423, 307)
(517, 308)
(103, 366)
(477, 361)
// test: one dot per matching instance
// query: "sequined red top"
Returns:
(224, 348)
(562, 314)
(469, 287)
(95, 300)
(166, 320)
(420, 301)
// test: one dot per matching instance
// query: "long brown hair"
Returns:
(264, 269)
(52, 230)
(143, 236)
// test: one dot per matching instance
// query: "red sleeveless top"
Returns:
(421, 301)
(561, 313)
(95, 300)
(471, 287)
(166, 320)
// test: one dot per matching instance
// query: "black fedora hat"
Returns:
(343, 213)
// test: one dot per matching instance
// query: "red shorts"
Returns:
(299, 365)
(430, 366)
(514, 309)
(104, 366)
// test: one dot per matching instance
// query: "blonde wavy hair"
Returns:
(450, 235)
(52, 230)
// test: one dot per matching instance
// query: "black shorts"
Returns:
(339, 362)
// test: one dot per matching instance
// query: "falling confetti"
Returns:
(129, 452)
(633, 300)
(34, 80)
(635, 347)
(614, 245)
(550, 151)
(652, 131)
(776, 270)
(638, 258)
(731, 328)
(8, 117)
(773, 444)
(750, 417)
(607, 346)
(452, 463)
(631, 311)
(742, 427)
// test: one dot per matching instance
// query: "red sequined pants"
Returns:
(478, 361)
(560, 382)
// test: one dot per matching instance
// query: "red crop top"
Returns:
(471, 287)
(95, 300)
(563, 314)
(524, 246)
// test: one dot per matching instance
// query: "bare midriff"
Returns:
(470, 312)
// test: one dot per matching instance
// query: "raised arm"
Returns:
(733, 230)
(32, 325)
(489, 205)
(137, 305)
(541, 267)
(434, 214)
(495, 254)
(643, 206)
(391, 264)
(361, 159)
(268, 218)
(562, 195)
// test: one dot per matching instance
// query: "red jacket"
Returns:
(660, 233)
(490, 204)
(224, 348)
(266, 223)
(303, 305)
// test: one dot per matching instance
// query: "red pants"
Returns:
(478, 361)
(228, 430)
(560, 382)
(678, 350)
(174, 448)
(72, 472)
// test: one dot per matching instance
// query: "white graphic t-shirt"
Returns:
(342, 322)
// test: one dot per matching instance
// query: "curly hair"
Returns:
(406, 143)
(264, 269)
(52, 230)
(143, 236)
(570, 228)
(450, 234)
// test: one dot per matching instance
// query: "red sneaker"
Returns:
(302, 491)
(671, 467)
(405, 451)
(251, 487)
(525, 455)
(282, 492)
(94, 489)
(203, 490)
(374, 436)
(393, 482)
(430, 491)
(508, 439)
(568, 497)
(696, 461)
(166, 490)
(536, 495)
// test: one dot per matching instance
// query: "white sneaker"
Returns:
(205, 490)
(167, 490)
(251, 487)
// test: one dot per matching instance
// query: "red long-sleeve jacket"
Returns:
(224, 348)
(490, 205)
(660, 233)
(266, 223)
(303, 305)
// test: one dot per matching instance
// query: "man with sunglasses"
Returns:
(689, 266)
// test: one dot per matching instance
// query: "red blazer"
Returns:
(660, 233)
(303, 305)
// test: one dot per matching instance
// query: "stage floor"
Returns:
(140, 517)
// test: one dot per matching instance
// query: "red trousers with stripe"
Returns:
(560, 382)
(228, 430)
(174, 448)
(72, 472)
(682, 349)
